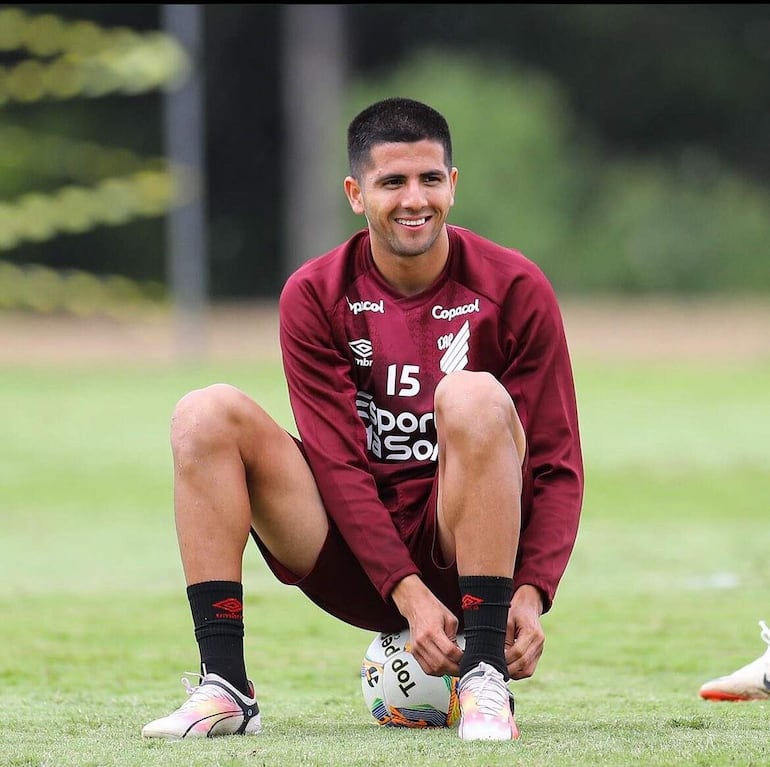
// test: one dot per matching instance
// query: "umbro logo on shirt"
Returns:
(362, 348)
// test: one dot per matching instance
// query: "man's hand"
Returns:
(524, 637)
(432, 627)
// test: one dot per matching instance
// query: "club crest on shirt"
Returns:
(456, 355)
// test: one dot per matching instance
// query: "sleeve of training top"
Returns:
(540, 379)
(322, 396)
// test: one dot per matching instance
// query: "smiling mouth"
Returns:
(411, 221)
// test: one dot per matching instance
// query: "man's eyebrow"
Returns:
(423, 174)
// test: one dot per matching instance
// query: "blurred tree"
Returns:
(526, 179)
(643, 81)
(645, 77)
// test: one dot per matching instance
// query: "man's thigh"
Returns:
(338, 584)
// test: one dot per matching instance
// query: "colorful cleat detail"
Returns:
(750, 682)
(486, 706)
(214, 708)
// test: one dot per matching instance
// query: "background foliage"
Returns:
(531, 179)
(623, 147)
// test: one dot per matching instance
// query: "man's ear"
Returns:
(353, 193)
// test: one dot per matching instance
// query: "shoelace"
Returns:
(200, 691)
(190, 689)
(765, 632)
(491, 696)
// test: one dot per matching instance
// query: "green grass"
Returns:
(668, 579)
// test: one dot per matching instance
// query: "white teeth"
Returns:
(410, 222)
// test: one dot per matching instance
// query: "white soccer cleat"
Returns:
(751, 682)
(214, 708)
(486, 705)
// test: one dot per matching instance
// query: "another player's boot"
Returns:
(486, 705)
(214, 707)
(750, 682)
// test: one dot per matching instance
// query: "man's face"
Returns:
(405, 192)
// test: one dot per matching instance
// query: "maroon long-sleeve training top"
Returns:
(362, 363)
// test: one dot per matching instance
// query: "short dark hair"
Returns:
(395, 120)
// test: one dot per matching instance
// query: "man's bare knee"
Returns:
(476, 404)
(206, 417)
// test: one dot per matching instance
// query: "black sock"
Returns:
(485, 603)
(217, 612)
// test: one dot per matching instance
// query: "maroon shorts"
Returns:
(338, 584)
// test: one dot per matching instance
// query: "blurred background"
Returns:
(182, 157)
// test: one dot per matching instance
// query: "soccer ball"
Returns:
(398, 693)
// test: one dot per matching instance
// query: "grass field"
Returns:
(669, 577)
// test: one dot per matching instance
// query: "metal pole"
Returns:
(313, 69)
(186, 226)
